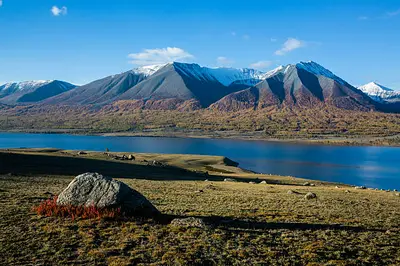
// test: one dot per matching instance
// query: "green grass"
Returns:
(250, 224)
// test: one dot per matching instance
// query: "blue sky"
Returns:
(82, 40)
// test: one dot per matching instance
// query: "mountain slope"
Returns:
(173, 83)
(101, 91)
(380, 93)
(182, 82)
(32, 91)
(306, 84)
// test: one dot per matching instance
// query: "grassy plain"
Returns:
(249, 224)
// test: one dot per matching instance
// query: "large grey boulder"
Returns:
(93, 189)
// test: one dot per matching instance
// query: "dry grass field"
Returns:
(322, 125)
(248, 224)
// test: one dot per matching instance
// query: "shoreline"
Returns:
(362, 141)
(213, 167)
(217, 167)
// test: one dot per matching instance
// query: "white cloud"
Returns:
(394, 13)
(159, 56)
(274, 40)
(224, 61)
(233, 33)
(362, 18)
(1, 3)
(261, 64)
(290, 45)
(59, 11)
(246, 37)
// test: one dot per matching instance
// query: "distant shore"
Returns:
(354, 140)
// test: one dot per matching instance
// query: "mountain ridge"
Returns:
(32, 91)
(189, 86)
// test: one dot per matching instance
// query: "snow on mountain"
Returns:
(309, 66)
(273, 72)
(225, 76)
(319, 70)
(148, 70)
(12, 87)
(32, 91)
(379, 93)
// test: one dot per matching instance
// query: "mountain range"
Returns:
(185, 86)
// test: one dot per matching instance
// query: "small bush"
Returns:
(50, 208)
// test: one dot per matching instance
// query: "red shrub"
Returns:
(50, 208)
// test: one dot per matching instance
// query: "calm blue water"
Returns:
(368, 166)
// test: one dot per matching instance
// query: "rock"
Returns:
(206, 180)
(397, 194)
(263, 182)
(360, 187)
(306, 184)
(229, 180)
(199, 191)
(131, 157)
(291, 192)
(310, 195)
(189, 222)
(156, 163)
(251, 182)
(347, 191)
(394, 190)
(312, 185)
(337, 187)
(93, 189)
(81, 153)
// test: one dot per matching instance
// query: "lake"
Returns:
(377, 167)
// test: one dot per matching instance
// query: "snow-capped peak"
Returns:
(379, 92)
(319, 70)
(273, 72)
(25, 85)
(374, 88)
(223, 75)
(149, 70)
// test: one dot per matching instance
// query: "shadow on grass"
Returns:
(25, 164)
(238, 225)
(30, 164)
